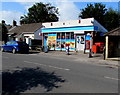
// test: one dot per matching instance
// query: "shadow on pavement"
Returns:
(15, 82)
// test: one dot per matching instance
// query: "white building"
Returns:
(80, 35)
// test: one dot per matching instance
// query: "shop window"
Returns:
(58, 35)
(63, 35)
(62, 44)
(51, 40)
(72, 35)
(68, 35)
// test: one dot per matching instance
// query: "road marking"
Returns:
(17, 69)
(59, 68)
(48, 65)
(34, 63)
(111, 78)
(27, 62)
(40, 64)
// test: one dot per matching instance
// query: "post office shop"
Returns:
(79, 35)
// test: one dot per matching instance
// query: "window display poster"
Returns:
(58, 44)
(63, 46)
(87, 44)
(71, 43)
(80, 39)
(51, 41)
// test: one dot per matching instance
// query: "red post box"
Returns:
(94, 48)
(100, 46)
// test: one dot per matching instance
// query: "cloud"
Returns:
(67, 10)
(29, 4)
(60, 0)
(9, 16)
(24, 1)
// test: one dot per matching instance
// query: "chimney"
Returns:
(3, 22)
(21, 22)
(14, 23)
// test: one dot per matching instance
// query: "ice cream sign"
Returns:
(51, 41)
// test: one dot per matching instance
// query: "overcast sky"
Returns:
(69, 9)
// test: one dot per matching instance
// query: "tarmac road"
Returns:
(43, 73)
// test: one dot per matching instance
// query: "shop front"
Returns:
(78, 36)
(79, 41)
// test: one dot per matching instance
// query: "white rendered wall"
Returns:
(70, 23)
(30, 35)
(74, 23)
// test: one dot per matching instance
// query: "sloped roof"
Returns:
(28, 28)
(8, 27)
(115, 32)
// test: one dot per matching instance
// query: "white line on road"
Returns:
(59, 68)
(40, 64)
(48, 65)
(27, 62)
(111, 78)
(34, 63)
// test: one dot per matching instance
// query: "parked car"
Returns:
(15, 46)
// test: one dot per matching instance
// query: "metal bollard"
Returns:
(90, 54)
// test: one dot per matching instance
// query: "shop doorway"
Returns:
(80, 42)
(45, 40)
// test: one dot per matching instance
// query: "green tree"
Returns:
(111, 19)
(4, 31)
(40, 12)
(97, 11)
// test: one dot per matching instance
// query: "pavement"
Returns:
(80, 56)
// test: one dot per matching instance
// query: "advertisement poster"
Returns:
(58, 45)
(71, 43)
(63, 46)
(87, 44)
(51, 41)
